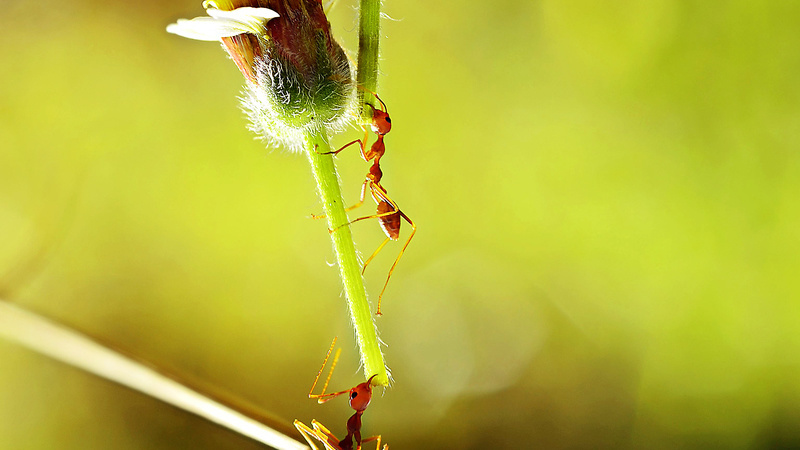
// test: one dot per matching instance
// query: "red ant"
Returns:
(359, 398)
(388, 215)
(381, 125)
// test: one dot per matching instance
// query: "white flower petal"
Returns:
(243, 13)
(203, 29)
(250, 20)
(223, 23)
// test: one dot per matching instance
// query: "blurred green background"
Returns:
(608, 202)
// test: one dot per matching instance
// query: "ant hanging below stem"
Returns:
(359, 398)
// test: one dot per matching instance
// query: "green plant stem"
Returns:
(349, 266)
(369, 33)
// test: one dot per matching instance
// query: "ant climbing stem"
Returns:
(388, 213)
(389, 218)
(380, 123)
(359, 398)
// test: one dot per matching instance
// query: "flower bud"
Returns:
(298, 78)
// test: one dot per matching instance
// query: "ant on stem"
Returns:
(389, 217)
(359, 398)
(381, 125)
(388, 213)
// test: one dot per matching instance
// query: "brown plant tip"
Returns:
(243, 50)
(298, 78)
(293, 37)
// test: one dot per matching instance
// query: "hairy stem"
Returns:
(369, 32)
(349, 265)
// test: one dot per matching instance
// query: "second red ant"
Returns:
(358, 397)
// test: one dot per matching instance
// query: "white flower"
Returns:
(223, 23)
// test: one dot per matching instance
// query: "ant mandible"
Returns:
(381, 124)
(359, 398)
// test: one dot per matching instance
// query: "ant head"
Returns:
(381, 122)
(361, 395)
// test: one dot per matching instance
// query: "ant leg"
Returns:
(323, 397)
(374, 216)
(328, 439)
(378, 439)
(385, 241)
(379, 191)
(310, 435)
(360, 202)
(336, 152)
(362, 198)
(408, 241)
(364, 155)
(306, 432)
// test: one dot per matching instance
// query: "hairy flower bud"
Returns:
(298, 78)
